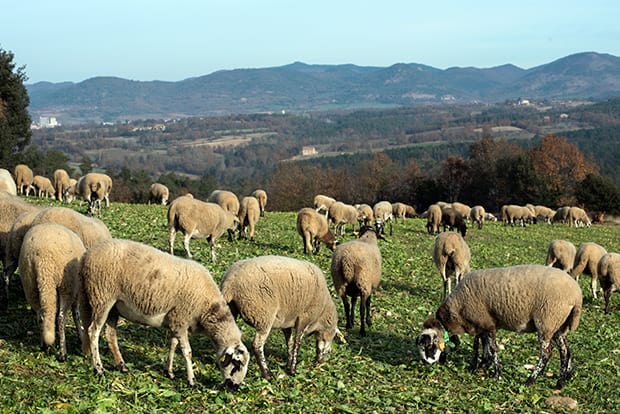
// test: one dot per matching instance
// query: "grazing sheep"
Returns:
(24, 179)
(490, 217)
(314, 229)
(43, 186)
(49, 263)
(544, 213)
(402, 210)
(356, 271)
(383, 214)
(261, 196)
(158, 193)
(451, 255)
(513, 214)
(281, 292)
(249, 213)
(578, 217)
(433, 219)
(609, 273)
(147, 286)
(463, 209)
(7, 183)
(526, 298)
(453, 220)
(62, 181)
(322, 203)
(70, 192)
(93, 188)
(225, 199)
(198, 219)
(477, 215)
(342, 214)
(561, 215)
(365, 215)
(561, 254)
(586, 261)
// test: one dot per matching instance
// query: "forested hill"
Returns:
(300, 87)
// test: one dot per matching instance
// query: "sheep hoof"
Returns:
(62, 357)
(122, 368)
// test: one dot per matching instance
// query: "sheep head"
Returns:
(233, 363)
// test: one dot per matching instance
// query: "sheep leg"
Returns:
(607, 296)
(186, 350)
(174, 341)
(94, 330)
(61, 323)
(593, 284)
(546, 347)
(474, 359)
(291, 365)
(348, 310)
(566, 365)
(111, 336)
(491, 342)
(186, 244)
(171, 238)
(258, 347)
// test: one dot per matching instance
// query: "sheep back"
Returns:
(561, 254)
(609, 274)
(61, 182)
(261, 196)
(158, 193)
(226, 199)
(249, 213)
(313, 228)
(433, 219)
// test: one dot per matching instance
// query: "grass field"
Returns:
(379, 373)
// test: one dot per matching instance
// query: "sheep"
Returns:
(281, 292)
(578, 217)
(158, 193)
(145, 285)
(62, 181)
(451, 255)
(249, 213)
(433, 219)
(477, 214)
(261, 196)
(561, 254)
(43, 186)
(70, 193)
(24, 178)
(342, 214)
(95, 187)
(199, 219)
(609, 273)
(7, 183)
(513, 214)
(365, 215)
(383, 214)
(314, 229)
(402, 210)
(453, 220)
(49, 270)
(322, 203)
(561, 215)
(490, 217)
(226, 199)
(463, 209)
(356, 271)
(524, 298)
(544, 213)
(586, 261)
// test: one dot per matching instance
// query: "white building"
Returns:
(48, 122)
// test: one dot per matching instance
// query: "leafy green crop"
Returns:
(378, 373)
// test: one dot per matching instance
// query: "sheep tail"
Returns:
(572, 321)
(47, 314)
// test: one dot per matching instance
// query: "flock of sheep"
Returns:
(68, 260)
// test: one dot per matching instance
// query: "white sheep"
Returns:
(314, 229)
(24, 178)
(226, 199)
(198, 219)
(383, 214)
(586, 261)
(402, 210)
(561, 254)
(281, 292)
(70, 193)
(147, 286)
(342, 214)
(525, 298)
(49, 263)
(578, 217)
(43, 186)
(561, 215)
(463, 209)
(356, 271)
(609, 274)
(158, 193)
(544, 213)
(249, 213)
(62, 181)
(451, 255)
(365, 215)
(94, 188)
(477, 214)
(322, 203)
(7, 183)
(433, 218)
(261, 196)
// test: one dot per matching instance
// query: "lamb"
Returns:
(147, 286)
(61, 182)
(248, 216)
(365, 215)
(561, 254)
(342, 214)
(49, 270)
(477, 215)
(198, 219)
(451, 255)
(158, 193)
(609, 272)
(322, 203)
(433, 219)
(453, 220)
(314, 229)
(95, 187)
(525, 298)
(226, 199)
(356, 271)
(43, 186)
(281, 292)
(402, 210)
(578, 217)
(383, 214)
(586, 261)
(261, 196)
(24, 178)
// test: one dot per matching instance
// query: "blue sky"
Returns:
(67, 40)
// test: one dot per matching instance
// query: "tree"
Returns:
(15, 121)
(599, 193)
(86, 165)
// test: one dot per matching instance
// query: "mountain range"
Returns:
(303, 87)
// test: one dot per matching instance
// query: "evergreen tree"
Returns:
(15, 121)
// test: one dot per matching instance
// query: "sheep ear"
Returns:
(340, 336)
